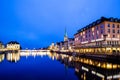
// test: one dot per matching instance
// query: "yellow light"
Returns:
(109, 66)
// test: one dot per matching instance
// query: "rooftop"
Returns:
(102, 19)
(13, 42)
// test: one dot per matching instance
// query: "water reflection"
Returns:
(85, 69)
(2, 56)
(88, 69)
(13, 57)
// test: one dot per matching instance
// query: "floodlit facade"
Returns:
(101, 36)
(64, 46)
(1, 45)
(13, 45)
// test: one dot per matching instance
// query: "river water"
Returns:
(54, 66)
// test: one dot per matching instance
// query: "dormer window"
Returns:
(111, 19)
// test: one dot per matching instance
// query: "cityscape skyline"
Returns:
(33, 24)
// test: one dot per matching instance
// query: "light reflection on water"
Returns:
(33, 66)
(84, 68)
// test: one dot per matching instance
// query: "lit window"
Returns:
(97, 32)
(118, 36)
(83, 32)
(92, 29)
(101, 36)
(108, 35)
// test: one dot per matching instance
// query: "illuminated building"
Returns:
(66, 45)
(52, 46)
(101, 36)
(2, 56)
(1, 45)
(13, 45)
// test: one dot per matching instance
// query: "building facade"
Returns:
(1, 45)
(13, 45)
(64, 46)
(101, 36)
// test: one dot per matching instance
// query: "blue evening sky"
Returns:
(37, 23)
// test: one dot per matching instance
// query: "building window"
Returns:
(113, 36)
(108, 25)
(89, 35)
(118, 26)
(113, 26)
(86, 36)
(102, 26)
(97, 27)
(108, 30)
(101, 31)
(97, 37)
(110, 42)
(107, 42)
(92, 37)
(89, 30)
(118, 31)
(113, 31)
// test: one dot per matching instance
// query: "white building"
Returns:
(66, 45)
(13, 45)
(1, 45)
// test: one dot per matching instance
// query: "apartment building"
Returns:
(102, 35)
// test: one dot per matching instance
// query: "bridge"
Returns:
(34, 52)
(28, 52)
(2, 50)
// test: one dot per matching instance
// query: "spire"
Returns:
(65, 35)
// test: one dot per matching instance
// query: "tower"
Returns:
(65, 36)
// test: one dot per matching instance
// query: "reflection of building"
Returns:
(101, 36)
(13, 57)
(13, 45)
(2, 56)
(90, 69)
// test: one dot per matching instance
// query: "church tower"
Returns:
(65, 36)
